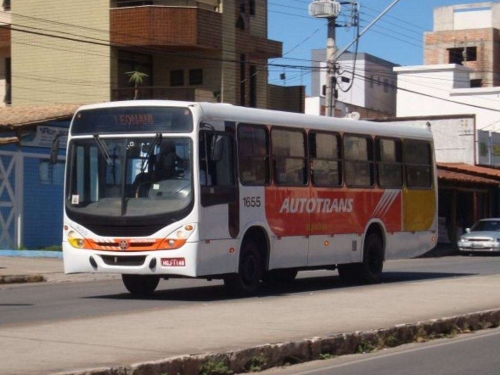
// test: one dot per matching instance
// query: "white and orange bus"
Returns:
(161, 189)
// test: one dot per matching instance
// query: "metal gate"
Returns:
(10, 199)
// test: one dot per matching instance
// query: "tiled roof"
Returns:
(472, 170)
(19, 116)
(458, 177)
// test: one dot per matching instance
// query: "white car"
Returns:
(484, 236)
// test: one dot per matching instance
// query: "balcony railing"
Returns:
(166, 93)
(166, 27)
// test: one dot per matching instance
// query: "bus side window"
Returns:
(253, 155)
(325, 159)
(358, 160)
(289, 157)
(217, 177)
(389, 163)
(418, 164)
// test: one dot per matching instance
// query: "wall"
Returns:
(58, 66)
(374, 82)
(439, 90)
(453, 136)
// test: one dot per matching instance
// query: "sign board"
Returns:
(44, 136)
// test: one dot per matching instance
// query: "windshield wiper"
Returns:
(156, 141)
(104, 150)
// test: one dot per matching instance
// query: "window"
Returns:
(51, 174)
(251, 6)
(476, 83)
(242, 80)
(325, 159)
(358, 155)
(418, 164)
(289, 157)
(131, 62)
(196, 76)
(253, 86)
(253, 146)
(459, 55)
(217, 177)
(386, 85)
(6, 4)
(132, 3)
(8, 80)
(389, 163)
(177, 78)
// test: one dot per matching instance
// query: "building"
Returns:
(57, 54)
(365, 84)
(67, 51)
(469, 35)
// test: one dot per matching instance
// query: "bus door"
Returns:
(218, 220)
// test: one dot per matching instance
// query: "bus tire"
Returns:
(370, 270)
(140, 285)
(250, 271)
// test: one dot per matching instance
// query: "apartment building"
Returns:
(469, 35)
(365, 84)
(68, 51)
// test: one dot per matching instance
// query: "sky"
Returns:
(396, 37)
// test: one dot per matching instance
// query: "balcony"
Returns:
(166, 28)
(165, 93)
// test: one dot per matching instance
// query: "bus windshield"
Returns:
(129, 177)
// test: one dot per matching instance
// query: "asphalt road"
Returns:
(465, 354)
(63, 301)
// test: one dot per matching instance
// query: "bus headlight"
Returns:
(177, 238)
(76, 240)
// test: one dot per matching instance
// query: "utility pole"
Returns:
(328, 9)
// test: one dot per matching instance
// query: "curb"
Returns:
(275, 355)
(31, 253)
(20, 279)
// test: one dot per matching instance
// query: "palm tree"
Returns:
(136, 77)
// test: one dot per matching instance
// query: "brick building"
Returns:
(467, 34)
(67, 51)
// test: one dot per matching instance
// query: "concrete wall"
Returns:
(441, 91)
(56, 65)
(467, 16)
(454, 140)
(374, 85)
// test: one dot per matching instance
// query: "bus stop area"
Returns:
(274, 329)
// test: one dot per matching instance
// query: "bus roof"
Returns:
(221, 111)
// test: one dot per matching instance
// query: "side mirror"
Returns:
(467, 230)
(54, 149)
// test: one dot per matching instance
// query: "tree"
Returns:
(136, 78)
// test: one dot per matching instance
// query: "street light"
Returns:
(328, 9)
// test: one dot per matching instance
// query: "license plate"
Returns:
(173, 262)
(477, 245)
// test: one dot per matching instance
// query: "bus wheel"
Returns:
(250, 271)
(370, 270)
(140, 285)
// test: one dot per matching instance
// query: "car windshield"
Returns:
(486, 226)
(129, 177)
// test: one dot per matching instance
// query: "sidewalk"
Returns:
(41, 268)
(273, 329)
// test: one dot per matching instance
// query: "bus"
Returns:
(165, 189)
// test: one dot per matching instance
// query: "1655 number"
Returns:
(251, 201)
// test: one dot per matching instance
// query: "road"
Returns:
(466, 354)
(62, 301)
(107, 327)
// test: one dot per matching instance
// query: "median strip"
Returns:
(19, 279)
(282, 354)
